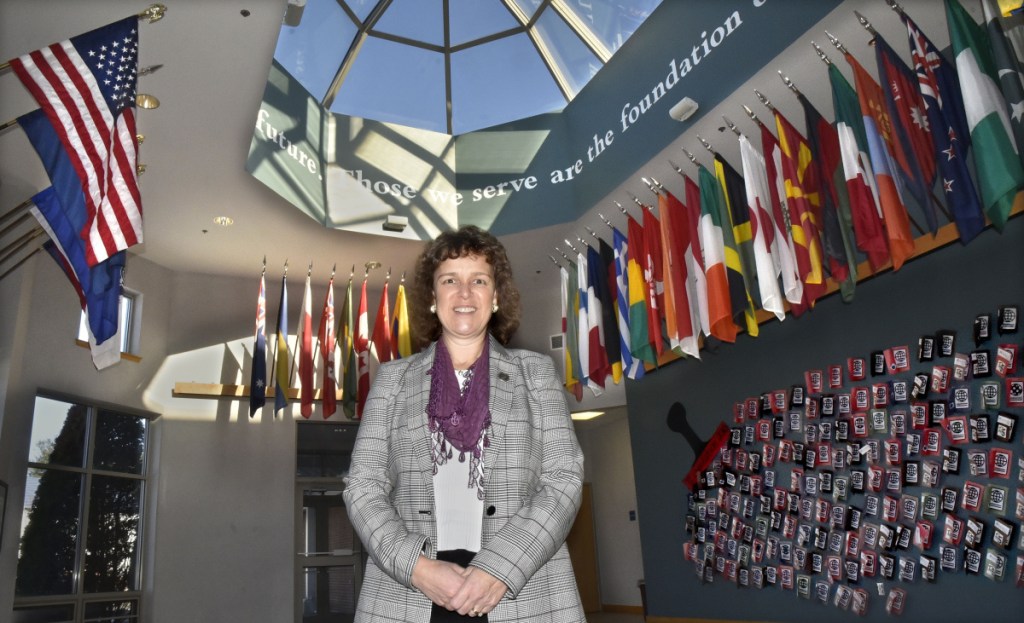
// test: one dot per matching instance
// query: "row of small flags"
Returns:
(805, 206)
(85, 135)
(361, 350)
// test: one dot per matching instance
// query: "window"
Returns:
(80, 556)
(129, 310)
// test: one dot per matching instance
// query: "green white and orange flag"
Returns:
(720, 287)
(999, 172)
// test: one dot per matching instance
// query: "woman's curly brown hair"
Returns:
(450, 245)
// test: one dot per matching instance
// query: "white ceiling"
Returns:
(215, 63)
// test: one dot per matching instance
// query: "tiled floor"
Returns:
(613, 617)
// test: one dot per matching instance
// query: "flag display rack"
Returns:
(191, 389)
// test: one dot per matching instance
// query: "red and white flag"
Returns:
(306, 353)
(326, 337)
(361, 345)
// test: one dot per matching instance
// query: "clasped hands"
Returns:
(468, 591)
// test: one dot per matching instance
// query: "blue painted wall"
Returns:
(944, 290)
(711, 47)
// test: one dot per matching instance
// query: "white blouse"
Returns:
(459, 513)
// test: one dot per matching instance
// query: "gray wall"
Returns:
(943, 290)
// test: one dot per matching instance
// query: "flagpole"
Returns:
(154, 13)
(14, 225)
(273, 363)
(316, 345)
(19, 244)
(20, 262)
(18, 208)
(298, 334)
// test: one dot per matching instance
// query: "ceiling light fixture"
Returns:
(224, 221)
(683, 110)
(586, 415)
(147, 101)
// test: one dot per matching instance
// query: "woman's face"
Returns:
(464, 293)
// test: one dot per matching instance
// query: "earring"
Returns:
(433, 308)
(494, 307)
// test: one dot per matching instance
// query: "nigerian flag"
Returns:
(995, 153)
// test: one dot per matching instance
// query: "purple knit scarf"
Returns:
(461, 416)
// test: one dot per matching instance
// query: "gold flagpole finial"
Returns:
(154, 13)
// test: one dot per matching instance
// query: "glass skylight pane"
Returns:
(487, 89)
(313, 50)
(528, 6)
(362, 8)
(420, 20)
(574, 58)
(412, 94)
(612, 22)
(473, 19)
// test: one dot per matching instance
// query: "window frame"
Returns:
(131, 330)
(78, 600)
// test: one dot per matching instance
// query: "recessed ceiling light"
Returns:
(586, 415)
(223, 221)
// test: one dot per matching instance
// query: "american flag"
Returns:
(86, 87)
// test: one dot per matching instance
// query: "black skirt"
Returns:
(439, 614)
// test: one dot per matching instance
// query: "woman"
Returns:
(466, 473)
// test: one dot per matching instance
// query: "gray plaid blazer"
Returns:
(533, 475)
